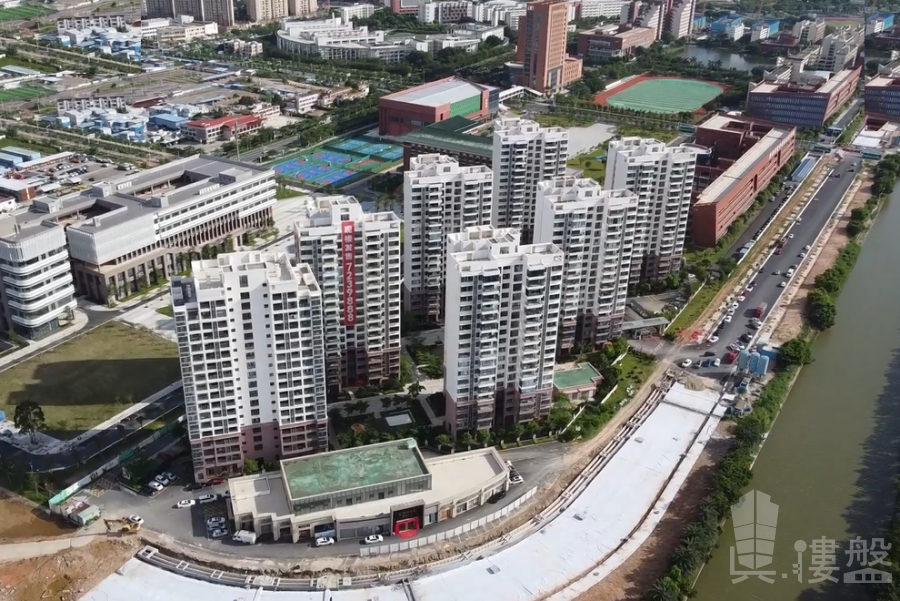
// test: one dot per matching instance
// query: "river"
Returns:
(730, 60)
(832, 457)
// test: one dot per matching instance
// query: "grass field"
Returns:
(20, 94)
(694, 308)
(633, 370)
(91, 378)
(45, 150)
(21, 12)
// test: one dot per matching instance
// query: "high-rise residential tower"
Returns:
(439, 198)
(355, 257)
(663, 179)
(262, 11)
(595, 228)
(524, 155)
(249, 327)
(541, 48)
(501, 328)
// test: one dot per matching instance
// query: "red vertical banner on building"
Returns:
(348, 260)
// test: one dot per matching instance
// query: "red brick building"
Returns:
(541, 48)
(222, 128)
(599, 44)
(406, 111)
(744, 156)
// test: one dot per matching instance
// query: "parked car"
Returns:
(686, 363)
(216, 482)
(324, 541)
(713, 339)
(717, 362)
(163, 480)
(218, 533)
(515, 478)
(776, 272)
(216, 522)
(154, 485)
(790, 236)
(727, 319)
(807, 247)
(204, 499)
(741, 298)
(373, 539)
(497, 497)
(136, 519)
(193, 486)
(782, 285)
(170, 477)
(185, 503)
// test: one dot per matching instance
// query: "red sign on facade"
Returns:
(348, 260)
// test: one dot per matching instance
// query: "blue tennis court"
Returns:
(350, 144)
(333, 157)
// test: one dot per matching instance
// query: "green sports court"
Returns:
(661, 95)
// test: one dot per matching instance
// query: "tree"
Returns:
(443, 440)
(415, 389)
(251, 466)
(466, 439)
(29, 418)
(795, 352)
(246, 101)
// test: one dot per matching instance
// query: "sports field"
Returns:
(20, 94)
(21, 12)
(339, 162)
(664, 95)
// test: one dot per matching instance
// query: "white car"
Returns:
(163, 480)
(155, 485)
(735, 306)
(185, 503)
(515, 478)
(717, 362)
(324, 541)
(727, 319)
(802, 255)
(686, 363)
(782, 285)
(807, 247)
(741, 298)
(373, 539)
(136, 519)
(217, 522)
(218, 533)
(713, 339)
(776, 272)
(790, 236)
(203, 499)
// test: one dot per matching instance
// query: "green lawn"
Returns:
(91, 378)
(283, 192)
(694, 308)
(634, 371)
(45, 150)
(590, 165)
(21, 12)
(167, 311)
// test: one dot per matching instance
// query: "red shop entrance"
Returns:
(408, 528)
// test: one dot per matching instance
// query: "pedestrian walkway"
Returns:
(20, 551)
(79, 321)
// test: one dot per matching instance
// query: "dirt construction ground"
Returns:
(634, 578)
(65, 576)
(23, 523)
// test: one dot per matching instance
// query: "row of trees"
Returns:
(732, 476)
(821, 309)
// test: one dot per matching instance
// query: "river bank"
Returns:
(647, 569)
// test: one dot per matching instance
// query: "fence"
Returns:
(67, 492)
(447, 534)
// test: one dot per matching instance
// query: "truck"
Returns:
(245, 536)
(761, 309)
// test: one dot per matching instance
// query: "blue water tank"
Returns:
(754, 362)
(743, 359)
(770, 352)
(763, 366)
(2, 416)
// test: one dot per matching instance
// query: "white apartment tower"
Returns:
(439, 198)
(595, 228)
(524, 155)
(249, 327)
(36, 291)
(680, 19)
(663, 179)
(355, 257)
(501, 328)
(262, 11)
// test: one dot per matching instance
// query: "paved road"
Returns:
(759, 222)
(813, 220)
(537, 464)
(851, 113)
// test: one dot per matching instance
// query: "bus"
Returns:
(686, 128)
(871, 155)
(821, 148)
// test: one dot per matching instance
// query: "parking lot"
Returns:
(536, 464)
